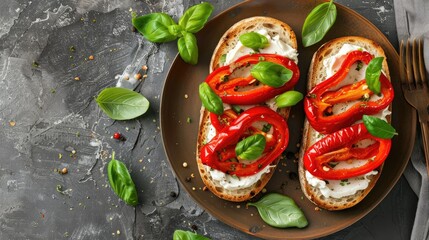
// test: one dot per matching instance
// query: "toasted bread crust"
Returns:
(226, 43)
(230, 38)
(317, 74)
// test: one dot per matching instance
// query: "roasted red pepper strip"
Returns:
(219, 122)
(341, 146)
(230, 135)
(227, 87)
(319, 101)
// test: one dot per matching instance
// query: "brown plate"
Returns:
(179, 137)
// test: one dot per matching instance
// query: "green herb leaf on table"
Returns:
(254, 41)
(280, 211)
(271, 74)
(211, 101)
(378, 127)
(289, 98)
(155, 27)
(251, 147)
(318, 22)
(194, 19)
(122, 103)
(160, 28)
(372, 74)
(188, 48)
(121, 182)
(187, 235)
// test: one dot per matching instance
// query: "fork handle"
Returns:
(425, 139)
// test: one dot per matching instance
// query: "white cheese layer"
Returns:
(338, 188)
(276, 46)
(233, 182)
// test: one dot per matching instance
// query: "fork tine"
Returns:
(416, 65)
(422, 67)
(402, 70)
(408, 64)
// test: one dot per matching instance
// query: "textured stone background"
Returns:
(44, 112)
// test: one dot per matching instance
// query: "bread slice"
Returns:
(274, 27)
(317, 74)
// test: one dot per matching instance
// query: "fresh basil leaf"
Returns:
(195, 17)
(122, 103)
(378, 127)
(154, 27)
(318, 23)
(251, 147)
(254, 41)
(372, 74)
(288, 99)
(271, 74)
(211, 101)
(121, 182)
(280, 211)
(187, 235)
(176, 30)
(188, 48)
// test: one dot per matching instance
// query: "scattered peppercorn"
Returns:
(64, 171)
(138, 76)
(173, 194)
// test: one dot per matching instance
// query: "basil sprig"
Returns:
(271, 74)
(378, 127)
(289, 98)
(251, 147)
(160, 28)
(372, 74)
(122, 103)
(254, 41)
(318, 23)
(280, 211)
(187, 235)
(211, 101)
(121, 182)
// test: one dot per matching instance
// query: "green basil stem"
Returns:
(378, 127)
(372, 74)
(318, 22)
(288, 99)
(271, 74)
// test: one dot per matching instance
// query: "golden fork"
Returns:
(415, 85)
